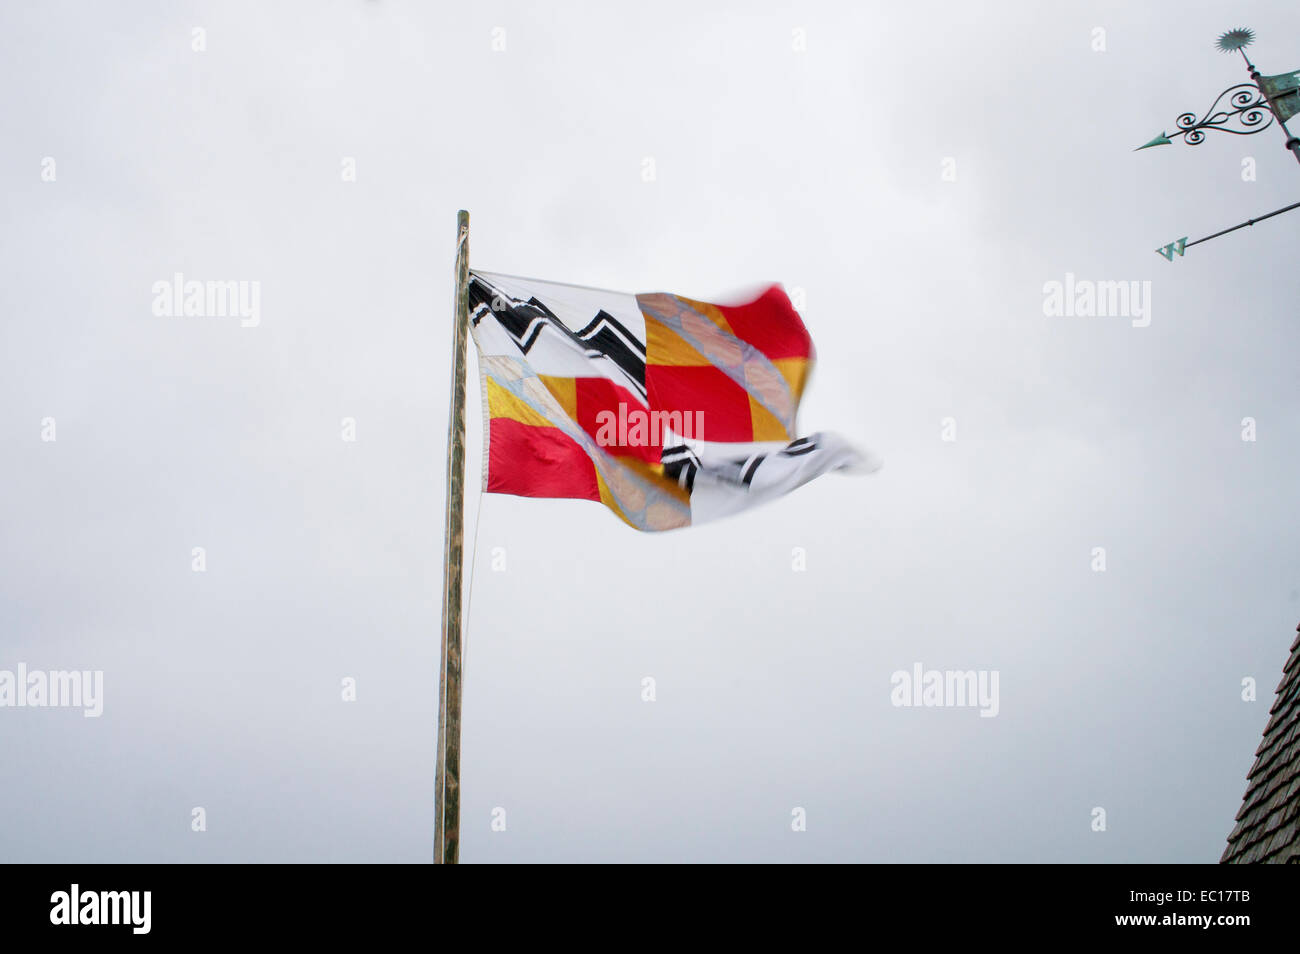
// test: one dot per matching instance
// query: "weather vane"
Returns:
(1240, 110)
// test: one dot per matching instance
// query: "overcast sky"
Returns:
(921, 171)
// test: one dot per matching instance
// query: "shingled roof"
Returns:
(1268, 825)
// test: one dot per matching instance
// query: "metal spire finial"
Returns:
(1235, 40)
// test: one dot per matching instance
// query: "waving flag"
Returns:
(667, 410)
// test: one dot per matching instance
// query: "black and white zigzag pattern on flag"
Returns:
(725, 483)
(682, 464)
(688, 462)
(526, 320)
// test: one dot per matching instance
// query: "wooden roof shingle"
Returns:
(1268, 824)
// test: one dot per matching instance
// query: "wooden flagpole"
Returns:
(446, 847)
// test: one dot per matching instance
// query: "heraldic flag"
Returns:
(668, 411)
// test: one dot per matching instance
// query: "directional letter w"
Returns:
(1168, 250)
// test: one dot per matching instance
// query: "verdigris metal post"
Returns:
(1292, 142)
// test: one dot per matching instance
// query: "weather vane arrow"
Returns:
(1240, 110)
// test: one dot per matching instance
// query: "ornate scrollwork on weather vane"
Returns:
(1249, 113)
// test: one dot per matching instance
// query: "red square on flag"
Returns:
(771, 325)
(592, 396)
(722, 403)
(533, 461)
